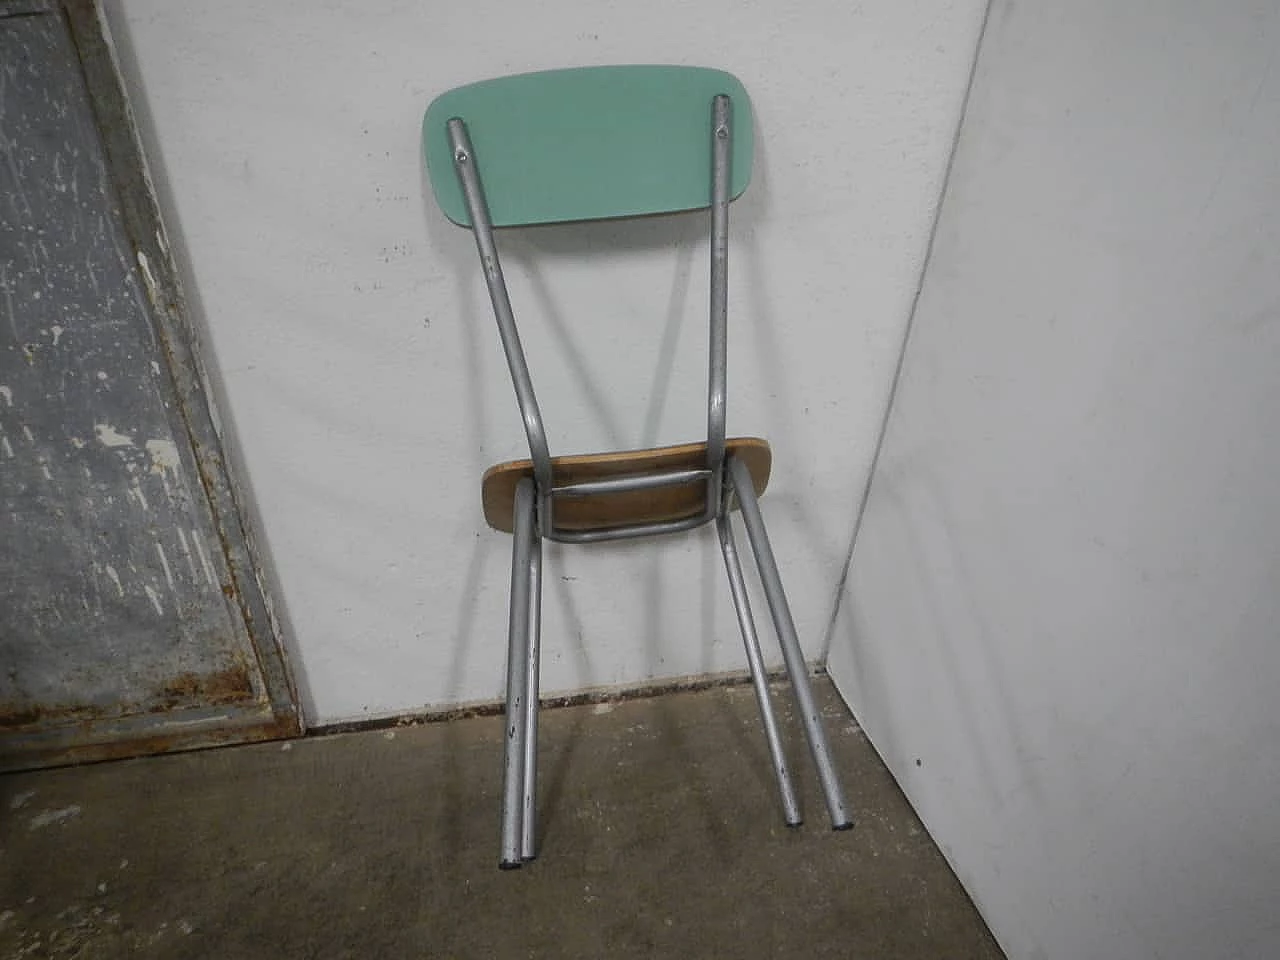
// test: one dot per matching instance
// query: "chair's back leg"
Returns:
(516, 729)
(717, 400)
(791, 653)
(464, 162)
(759, 677)
(529, 823)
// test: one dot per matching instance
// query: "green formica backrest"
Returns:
(588, 143)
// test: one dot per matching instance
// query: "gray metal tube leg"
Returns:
(529, 799)
(738, 587)
(516, 730)
(791, 653)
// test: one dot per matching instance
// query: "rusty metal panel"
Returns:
(127, 605)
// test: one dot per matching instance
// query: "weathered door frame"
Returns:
(275, 712)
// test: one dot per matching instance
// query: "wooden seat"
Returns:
(602, 511)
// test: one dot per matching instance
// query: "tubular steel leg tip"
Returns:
(510, 864)
(529, 858)
(794, 824)
(847, 825)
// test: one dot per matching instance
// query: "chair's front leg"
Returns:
(760, 679)
(740, 478)
(529, 826)
(516, 730)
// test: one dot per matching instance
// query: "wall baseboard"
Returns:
(603, 694)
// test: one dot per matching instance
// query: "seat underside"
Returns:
(608, 510)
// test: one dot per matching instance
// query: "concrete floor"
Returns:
(661, 837)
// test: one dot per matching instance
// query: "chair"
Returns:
(601, 143)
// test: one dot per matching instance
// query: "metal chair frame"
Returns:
(726, 479)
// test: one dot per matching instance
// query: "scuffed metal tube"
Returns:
(791, 652)
(464, 163)
(721, 174)
(529, 791)
(759, 678)
(625, 533)
(515, 730)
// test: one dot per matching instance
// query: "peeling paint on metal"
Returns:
(164, 454)
(164, 563)
(198, 540)
(154, 597)
(115, 578)
(186, 552)
(96, 487)
(109, 436)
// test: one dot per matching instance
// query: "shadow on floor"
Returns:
(661, 837)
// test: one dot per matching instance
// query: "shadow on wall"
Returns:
(687, 235)
(531, 251)
(828, 542)
(939, 576)
(582, 242)
(534, 253)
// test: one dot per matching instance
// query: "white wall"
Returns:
(1061, 621)
(361, 374)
